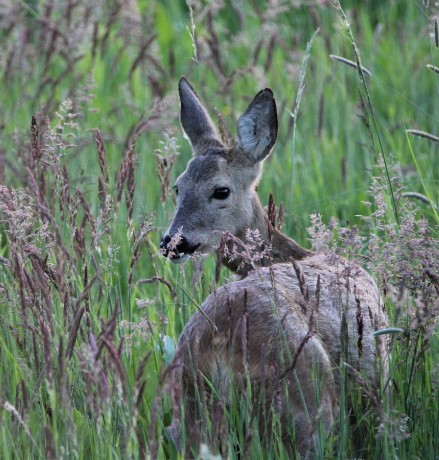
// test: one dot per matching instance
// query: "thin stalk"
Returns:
(433, 207)
(361, 73)
(300, 89)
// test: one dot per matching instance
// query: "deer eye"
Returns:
(221, 193)
(175, 188)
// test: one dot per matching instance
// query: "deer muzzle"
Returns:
(178, 251)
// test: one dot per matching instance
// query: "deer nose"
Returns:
(164, 245)
(183, 247)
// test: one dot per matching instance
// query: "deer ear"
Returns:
(195, 120)
(257, 127)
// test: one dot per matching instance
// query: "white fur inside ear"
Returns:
(254, 140)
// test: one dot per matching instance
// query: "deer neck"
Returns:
(275, 246)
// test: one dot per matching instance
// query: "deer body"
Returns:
(260, 328)
(295, 316)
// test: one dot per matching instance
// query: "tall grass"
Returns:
(90, 146)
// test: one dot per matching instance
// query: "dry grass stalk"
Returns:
(419, 133)
(38, 189)
(87, 213)
(2, 165)
(270, 51)
(47, 350)
(74, 332)
(101, 155)
(126, 173)
(103, 179)
(129, 197)
(85, 293)
(111, 21)
(139, 388)
(95, 377)
(302, 285)
(360, 323)
(142, 53)
(280, 216)
(13, 411)
(433, 68)
(245, 332)
(65, 201)
(61, 375)
(165, 160)
(50, 449)
(114, 352)
(214, 44)
(43, 288)
(222, 130)
(297, 353)
(152, 438)
(145, 229)
(257, 51)
(36, 152)
(219, 431)
(162, 281)
(271, 215)
(47, 270)
(350, 64)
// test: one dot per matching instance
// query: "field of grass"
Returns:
(91, 144)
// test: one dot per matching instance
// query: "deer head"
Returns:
(216, 193)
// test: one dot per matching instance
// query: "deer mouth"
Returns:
(177, 254)
(179, 258)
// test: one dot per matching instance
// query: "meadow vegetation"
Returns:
(90, 311)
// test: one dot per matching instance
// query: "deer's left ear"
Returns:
(257, 127)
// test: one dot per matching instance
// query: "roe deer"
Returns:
(295, 314)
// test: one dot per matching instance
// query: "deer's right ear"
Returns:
(195, 120)
(257, 127)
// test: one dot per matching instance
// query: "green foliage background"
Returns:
(119, 64)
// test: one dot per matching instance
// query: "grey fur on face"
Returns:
(202, 215)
